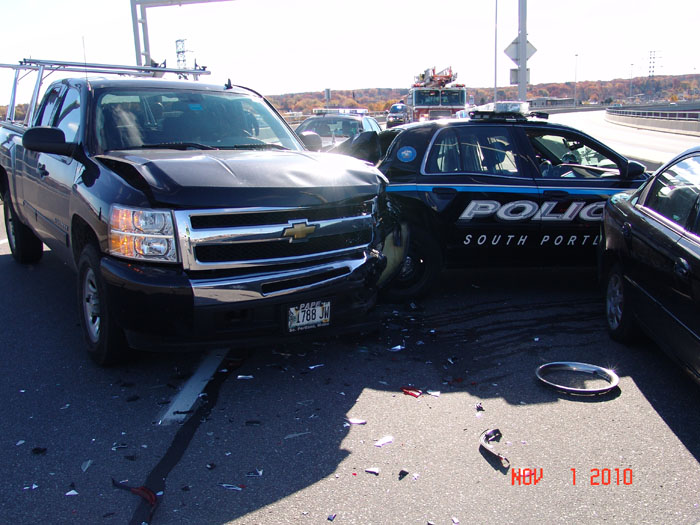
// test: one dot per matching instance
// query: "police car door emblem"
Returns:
(406, 154)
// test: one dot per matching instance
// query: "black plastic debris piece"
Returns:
(144, 492)
(489, 435)
(403, 473)
(332, 517)
(211, 466)
(479, 407)
(39, 451)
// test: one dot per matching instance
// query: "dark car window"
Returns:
(68, 118)
(562, 156)
(674, 191)
(43, 117)
(472, 149)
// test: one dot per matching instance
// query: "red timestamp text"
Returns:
(607, 476)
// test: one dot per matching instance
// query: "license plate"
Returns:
(309, 315)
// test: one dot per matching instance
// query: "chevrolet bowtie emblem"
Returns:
(299, 230)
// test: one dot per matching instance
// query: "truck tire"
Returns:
(105, 341)
(618, 313)
(26, 247)
(420, 270)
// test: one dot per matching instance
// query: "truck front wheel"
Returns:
(105, 341)
(420, 270)
(26, 247)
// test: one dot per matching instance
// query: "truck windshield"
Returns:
(454, 97)
(427, 97)
(136, 119)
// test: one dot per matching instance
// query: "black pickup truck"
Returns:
(192, 214)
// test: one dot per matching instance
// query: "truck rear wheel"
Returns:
(26, 247)
(420, 270)
(105, 341)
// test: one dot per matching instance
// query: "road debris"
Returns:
(20, 442)
(257, 473)
(434, 393)
(244, 377)
(290, 436)
(403, 473)
(411, 391)
(229, 486)
(72, 492)
(86, 465)
(384, 441)
(493, 435)
(398, 348)
(313, 367)
(372, 470)
(331, 517)
(355, 421)
(607, 374)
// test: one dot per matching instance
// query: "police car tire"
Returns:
(424, 260)
(618, 312)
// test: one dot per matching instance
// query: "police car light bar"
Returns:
(505, 110)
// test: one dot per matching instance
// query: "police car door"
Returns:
(575, 177)
(482, 194)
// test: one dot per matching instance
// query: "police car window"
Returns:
(674, 192)
(472, 149)
(563, 157)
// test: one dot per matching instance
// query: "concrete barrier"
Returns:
(683, 122)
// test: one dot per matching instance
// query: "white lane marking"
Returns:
(189, 393)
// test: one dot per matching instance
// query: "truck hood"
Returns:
(227, 178)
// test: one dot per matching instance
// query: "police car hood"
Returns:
(230, 178)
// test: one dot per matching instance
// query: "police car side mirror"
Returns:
(635, 169)
(311, 140)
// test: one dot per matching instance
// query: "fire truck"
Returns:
(435, 95)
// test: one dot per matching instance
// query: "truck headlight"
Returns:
(146, 235)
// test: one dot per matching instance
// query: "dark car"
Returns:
(501, 188)
(398, 114)
(335, 129)
(651, 261)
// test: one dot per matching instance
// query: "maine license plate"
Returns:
(309, 315)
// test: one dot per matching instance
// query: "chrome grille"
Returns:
(254, 238)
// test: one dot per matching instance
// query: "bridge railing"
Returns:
(686, 122)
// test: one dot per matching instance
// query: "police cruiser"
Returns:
(504, 187)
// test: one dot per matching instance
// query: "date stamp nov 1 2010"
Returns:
(596, 476)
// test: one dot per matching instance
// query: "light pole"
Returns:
(631, 73)
(575, 74)
(495, 55)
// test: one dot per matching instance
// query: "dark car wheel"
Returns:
(26, 247)
(617, 306)
(420, 270)
(105, 341)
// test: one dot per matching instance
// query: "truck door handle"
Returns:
(626, 230)
(555, 193)
(681, 268)
(41, 168)
(445, 191)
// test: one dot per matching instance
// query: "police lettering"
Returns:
(511, 239)
(523, 209)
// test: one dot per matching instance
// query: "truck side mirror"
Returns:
(311, 140)
(45, 139)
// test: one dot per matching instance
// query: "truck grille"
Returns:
(254, 238)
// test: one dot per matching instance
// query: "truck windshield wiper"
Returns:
(177, 145)
(255, 146)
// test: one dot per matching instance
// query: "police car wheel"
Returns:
(420, 270)
(617, 306)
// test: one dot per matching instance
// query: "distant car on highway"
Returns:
(501, 188)
(398, 114)
(335, 129)
(651, 261)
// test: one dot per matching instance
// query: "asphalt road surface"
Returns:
(266, 440)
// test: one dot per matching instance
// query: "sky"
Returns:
(292, 46)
